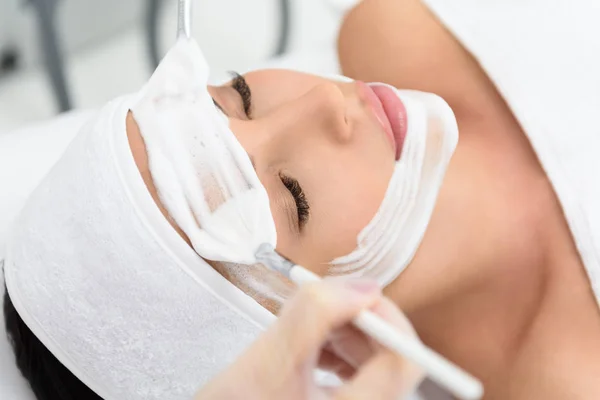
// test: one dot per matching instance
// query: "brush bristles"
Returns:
(267, 256)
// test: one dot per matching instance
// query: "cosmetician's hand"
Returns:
(312, 331)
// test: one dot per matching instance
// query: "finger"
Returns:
(352, 346)
(386, 376)
(356, 348)
(317, 309)
(390, 312)
(331, 362)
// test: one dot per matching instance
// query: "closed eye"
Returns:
(302, 206)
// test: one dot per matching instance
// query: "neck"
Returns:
(480, 275)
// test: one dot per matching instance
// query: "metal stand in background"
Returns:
(152, 14)
(152, 29)
(50, 47)
(284, 27)
(53, 57)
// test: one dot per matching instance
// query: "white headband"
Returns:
(106, 284)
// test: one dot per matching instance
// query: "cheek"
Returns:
(343, 209)
(348, 212)
(345, 187)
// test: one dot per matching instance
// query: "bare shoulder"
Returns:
(402, 43)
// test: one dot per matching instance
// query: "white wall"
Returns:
(249, 26)
(238, 34)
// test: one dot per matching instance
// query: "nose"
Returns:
(330, 109)
(320, 111)
(318, 119)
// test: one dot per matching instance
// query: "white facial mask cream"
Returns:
(203, 175)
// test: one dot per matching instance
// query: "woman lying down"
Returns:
(107, 297)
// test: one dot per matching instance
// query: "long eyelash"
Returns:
(241, 86)
(302, 205)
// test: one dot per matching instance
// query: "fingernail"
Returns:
(363, 286)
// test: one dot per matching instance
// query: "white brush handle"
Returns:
(457, 381)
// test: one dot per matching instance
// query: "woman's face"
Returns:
(319, 150)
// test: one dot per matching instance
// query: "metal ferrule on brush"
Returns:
(267, 256)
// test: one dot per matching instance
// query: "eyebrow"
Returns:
(240, 85)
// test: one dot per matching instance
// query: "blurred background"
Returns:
(108, 48)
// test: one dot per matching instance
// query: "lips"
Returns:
(395, 112)
(390, 112)
(370, 97)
